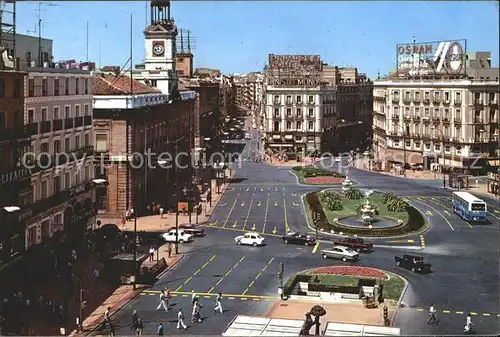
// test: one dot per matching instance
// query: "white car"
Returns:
(338, 159)
(253, 239)
(340, 252)
(366, 153)
(183, 236)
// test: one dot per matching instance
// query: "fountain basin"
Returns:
(356, 221)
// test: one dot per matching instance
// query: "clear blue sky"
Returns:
(238, 36)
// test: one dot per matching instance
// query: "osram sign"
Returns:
(445, 57)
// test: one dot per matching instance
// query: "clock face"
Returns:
(158, 49)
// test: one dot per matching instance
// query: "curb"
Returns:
(403, 293)
(128, 299)
(214, 208)
(317, 185)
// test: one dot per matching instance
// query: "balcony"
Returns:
(407, 117)
(458, 101)
(436, 118)
(30, 129)
(276, 102)
(310, 102)
(68, 123)
(45, 127)
(407, 99)
(478, 102)
(457, 120)
(43, 163)
(57, 125)
(395, 117)
(427, 101)
(446, 101)
(446, 120)
(416, 118)
(493, 104)
(78, 122)
(288, 102)
(436, 100)
(478, 121)
(87, 120)
(416, 99)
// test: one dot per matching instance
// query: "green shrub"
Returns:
(360, 206)
(396, 205)
(386, 197)
(353, 193)
(297, 168)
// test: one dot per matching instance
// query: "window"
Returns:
(88, 174)
(417, 111)
(276, 99)
(427, 146)
(67, 112)
(288, 125)
(276, 128)
(299, 99)
(77, 111)
(417, 144)
(77, 86)
(31, 116)
(77, 142)
(57, 146)
(311, 125)
(44, 188)
(276, 112)
(427, 95)
(45, 115)
(86, 84)
(408, 143)
(458, 97)
(86, 109)
(45, 86)
(57, 184)
(446, 96)
(289, 112)
(87, 140)
(67, 144)
(31, 87)
(437, 147)
(446, 113)
(427, 112)
(56, 87)
(67, 86)
(417, 95)
(311, 112)
(447, 148)
(310, 99)
(56, 112)
(298, 138)
(288, 99)
(299, 112)
(299, 125)
(17, 88)
(67, 180)
(492, 97)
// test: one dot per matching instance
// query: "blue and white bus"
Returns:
(469, 207)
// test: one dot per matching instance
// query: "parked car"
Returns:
(182, 236)
(414, 263)
(253, 239)
(340, 252)
(193, 229)
(298, 239)
(356, 244)
(247, 136)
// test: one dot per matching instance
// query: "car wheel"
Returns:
(254, 244)
(306, 243)
(344, 259)
(238, 242)
(324, 256)
(412, 270)
(285, 241)
(398, 263)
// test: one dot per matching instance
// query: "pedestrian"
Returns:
(139, 328)
(195, 315)
(132, 214)
(218, 304)
(193, 297)
(161, 212)
(151, 254)
(159, 331)
(107, 317)
(96, 274)
(163, 301)
(127, 215)
(169, 250)
(468, 324)
(135, 319)
(73, 255)
(111, 331)
(432, 315)
(180, 320)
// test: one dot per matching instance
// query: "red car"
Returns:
(356, 244)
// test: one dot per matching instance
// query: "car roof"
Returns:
(252, 233)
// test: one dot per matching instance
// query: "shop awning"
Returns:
(494, 162)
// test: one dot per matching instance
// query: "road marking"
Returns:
(296, 204)
(248, 213)
(196, 273)
(231, 210)
(446, 311)
(234, 224)
(256, 277)
(248, 189)
(262, 190)
(276, 189)
(420, 309)
(253, 227)
(459, 312)
(265, 216)
(402, 241)
(422, 241)
(274, 230)
(240, 230)
(225, 275)
(428, 213)
(229, 296)
(473, 313)
(446, 212)
(259, 203)
(242, 204)
(496, 211)
(223, 204)
(486, 314)
(294, 194)
(438, 212)
(276, 203)
(286, 216)
(315, 247)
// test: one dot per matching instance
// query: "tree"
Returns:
(353, 193)
(332, 200)
(396, 205)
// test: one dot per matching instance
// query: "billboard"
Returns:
(294, 70)
(432, 58)
(295, 62)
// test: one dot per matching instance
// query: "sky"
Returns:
(238, 36)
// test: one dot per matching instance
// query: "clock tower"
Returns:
(160, 41)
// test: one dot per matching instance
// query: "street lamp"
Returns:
(442, 154)
(11, 209)
(404, 147)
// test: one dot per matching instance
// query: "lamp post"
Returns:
(442, 154)
(404, 147)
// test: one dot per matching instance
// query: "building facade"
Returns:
(440, 122)
(128, 126)
(59, 102)
(249, 90)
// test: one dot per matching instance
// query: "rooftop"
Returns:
(107, 84)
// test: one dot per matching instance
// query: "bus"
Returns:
(469, 207)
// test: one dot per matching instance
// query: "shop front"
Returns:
(493, 183)
(77, 217)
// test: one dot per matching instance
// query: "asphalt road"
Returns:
(266, 199)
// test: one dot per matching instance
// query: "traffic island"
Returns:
(309, 175)
(377, 215)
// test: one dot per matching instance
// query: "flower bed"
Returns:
(324, 180)
(350, 271)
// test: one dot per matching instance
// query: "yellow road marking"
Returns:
(265, 216)
(253, 227)
(274, 230)
(286, 216)
(459, 312)
(486, 314)
(446, 311)
(422, 241)
(227, 273)
(258, 275)
(402, 241)
(259, 203)
(242, 204)
(195, 273)
(420, 309)
(231, 210)
(315, 247)
(438, 212)
(234, 224)
(428, 213)
(248, 213)
(473, 313)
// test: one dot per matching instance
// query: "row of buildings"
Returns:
(73, 139)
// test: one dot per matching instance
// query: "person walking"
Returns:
(180, 320)
(468, 324)
(195, 315)
(151, 254)
(160, 330)
(139, 328)
(218, 304)
(163, 301)
(127, 215)
(161, 212)
(107, 318)
(96, 275)
(193, 297)
(169, 250)
(432, 315)
(135, 319)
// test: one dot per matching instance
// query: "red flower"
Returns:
(351, 271)
(324, 180)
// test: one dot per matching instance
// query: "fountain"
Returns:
(347, 183)
(367, 211)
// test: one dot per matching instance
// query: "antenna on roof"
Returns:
(182, 43)
(189, 43)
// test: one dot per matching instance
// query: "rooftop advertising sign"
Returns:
(432, 58)
(295, 62)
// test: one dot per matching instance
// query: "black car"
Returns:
(298, 239)
(414, 263)
(192, 229)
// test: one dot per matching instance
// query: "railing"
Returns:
(478, 121)
(457, 120)
(57, 124)
(289, 102)
(396, 117)
(87, 120)
(310, 102)
(407, 117)
(78, 122)
(395, 99)
(427, 101)
(68, 123)
(446, 120)
(436, 100)
(45, 127)
(446, 101)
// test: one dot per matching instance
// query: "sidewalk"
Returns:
(153, 223)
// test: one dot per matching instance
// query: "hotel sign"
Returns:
(295, 62)
(432, 58)
(12, 176)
